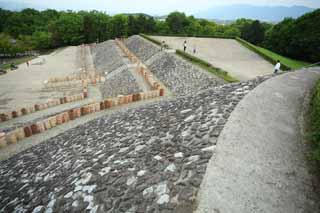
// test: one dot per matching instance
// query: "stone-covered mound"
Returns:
(142, 48)
(139, 160)
(106, 56)
(120, 83)
(180, 76)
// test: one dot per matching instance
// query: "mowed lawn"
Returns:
(293, 64)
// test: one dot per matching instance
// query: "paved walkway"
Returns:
(260, 161)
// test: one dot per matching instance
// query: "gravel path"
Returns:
(148, 159)
(24, 86)
(261, 161)
(227, 54)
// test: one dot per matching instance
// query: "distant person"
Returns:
(163, 44)
(277, 67)
(27, 63)
(185, 46)
(194, 50)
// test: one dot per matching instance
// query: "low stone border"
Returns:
(12, 137)
(42, 106)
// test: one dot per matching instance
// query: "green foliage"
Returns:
(205, 65)
(299, 39)
(314, 123)
(254, 32)
(67, 30)
(42, 40)
(140, 24)
(150, 39)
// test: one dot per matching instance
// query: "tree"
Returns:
(119, 26)
(177, 22)
(67, 30)
(253, 32)
(42, 40)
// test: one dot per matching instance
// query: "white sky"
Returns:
(156, 6)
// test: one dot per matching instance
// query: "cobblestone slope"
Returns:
(106, 56)
(180, 76)
(123, 83)
(142, 48)
(148, 159)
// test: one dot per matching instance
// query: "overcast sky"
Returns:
(155, 7)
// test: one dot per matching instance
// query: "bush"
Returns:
(314, 123)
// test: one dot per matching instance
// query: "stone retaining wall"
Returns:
(147, 159)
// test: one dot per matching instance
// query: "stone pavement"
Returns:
(260, 161)
(146, 159)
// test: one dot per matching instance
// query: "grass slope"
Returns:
(286, 63)
(198, 62)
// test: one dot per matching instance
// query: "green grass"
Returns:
(16, 61)
(198, 62)
(207, 66)
(150, 39)
(286, 63)
(313, 132)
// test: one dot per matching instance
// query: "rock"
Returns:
(170, 168)
(178, 155)
(163, 199)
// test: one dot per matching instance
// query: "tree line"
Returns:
(31, 29)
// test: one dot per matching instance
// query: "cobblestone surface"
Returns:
(142, 48)
(123, 83)
(180, 76)
(150, 159)
(106, 56)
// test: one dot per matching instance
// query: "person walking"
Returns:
(27, 63)
(277, 67)
(185, 46)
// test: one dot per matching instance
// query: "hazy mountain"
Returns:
(265, 13)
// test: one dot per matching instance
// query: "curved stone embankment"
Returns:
(123, 83)
(106, 56)
(260, 163)
(139, 160)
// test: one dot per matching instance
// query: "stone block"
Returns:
(27, 131)
(3, 141)
(11, 137)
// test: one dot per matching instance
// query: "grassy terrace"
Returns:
(198, 62)
(287, 63)
(314, 123)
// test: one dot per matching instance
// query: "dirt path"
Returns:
(227, 54)
(24, 86)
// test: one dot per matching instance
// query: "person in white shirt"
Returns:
(277, 67)
(185, 46)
